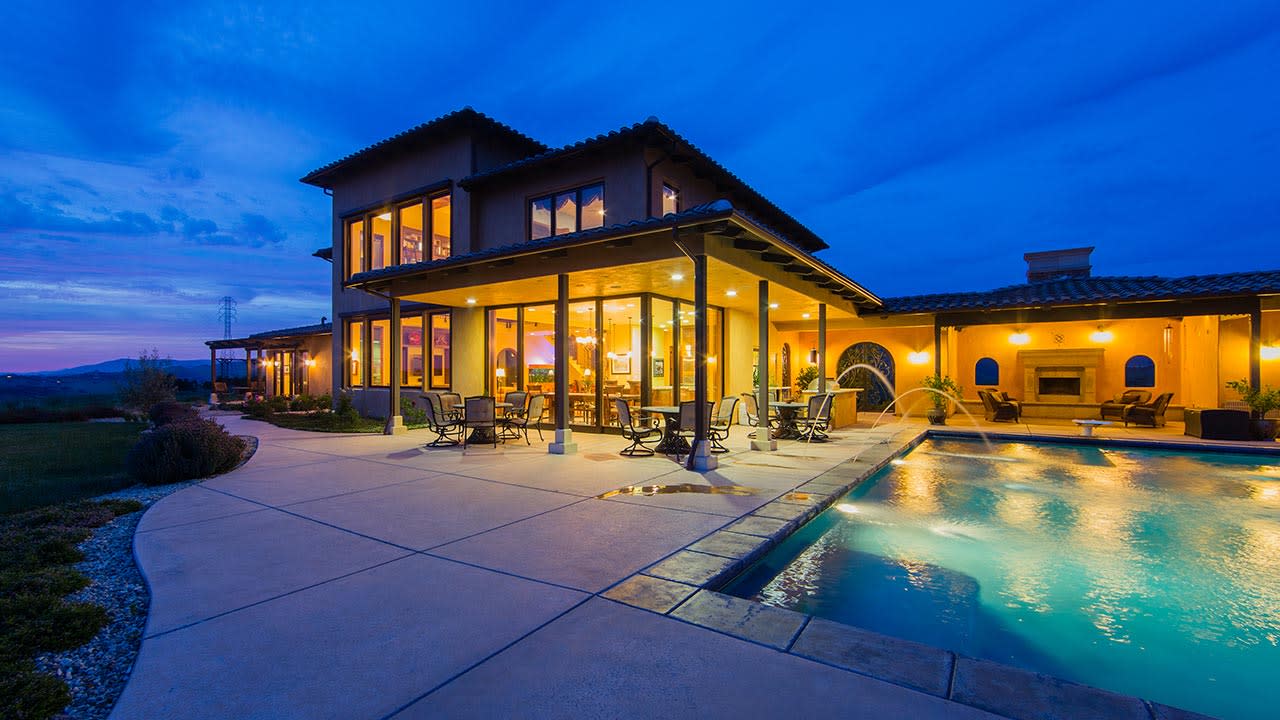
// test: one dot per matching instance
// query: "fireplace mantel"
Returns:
(1079, 363)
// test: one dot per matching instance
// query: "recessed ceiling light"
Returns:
(677, 277)
(731, 293)
(773, 306)
(804, 315)
(471, 301)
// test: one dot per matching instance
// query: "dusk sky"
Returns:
(150, 156)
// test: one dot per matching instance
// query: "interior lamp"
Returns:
(500, 372)
(1101, 336)
(1019, 338)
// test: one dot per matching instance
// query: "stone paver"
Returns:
(608, 660)
(922, 667)
(650, 593)
(748, 620)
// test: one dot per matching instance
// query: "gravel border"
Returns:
(97, 671)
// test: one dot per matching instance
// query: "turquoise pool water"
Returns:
(1147, 572)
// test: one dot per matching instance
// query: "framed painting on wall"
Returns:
(659, 367)
(621, 365)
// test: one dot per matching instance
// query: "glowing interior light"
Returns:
(677, 277)
(500, 372)
(1269, 352)
(731, 293)
(918, 358)
(471, 301)
(385, 216)
(804, 315)
(1019, 338)
(1101, 336)
(773, 306)
(355, 354)
(311, 363)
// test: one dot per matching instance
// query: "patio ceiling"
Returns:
(654, 276)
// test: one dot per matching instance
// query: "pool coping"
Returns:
(685, 586)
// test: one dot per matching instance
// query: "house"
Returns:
(470, 257)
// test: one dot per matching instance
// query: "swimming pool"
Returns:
(1147, 572)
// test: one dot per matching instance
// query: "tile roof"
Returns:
(653, 128)
(466, 117)
(317, 329)
(1077, 291)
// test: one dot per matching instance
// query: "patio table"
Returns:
(788, 412)
(672, 443)
(484, 434)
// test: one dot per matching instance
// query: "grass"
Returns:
(37, 550)
(322, 422)
(48, 463)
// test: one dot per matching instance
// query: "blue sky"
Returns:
(149, 155)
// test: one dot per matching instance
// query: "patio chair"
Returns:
(1115, 409)
(1000, 396)
(480, 415)
(722, 417)
(518, 399)
(637, 434)
(997, 409)
(753, 413)
(1150, 414)
(448, 428)
(515, 425)
(688, 421)
(452, 403)
(817, 420)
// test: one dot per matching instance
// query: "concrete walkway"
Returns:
(363, 576)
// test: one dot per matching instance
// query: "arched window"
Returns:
(986, 372)
(1139, 371)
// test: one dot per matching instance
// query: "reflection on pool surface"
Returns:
(1147, 572)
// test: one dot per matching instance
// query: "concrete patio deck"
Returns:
(364, 576)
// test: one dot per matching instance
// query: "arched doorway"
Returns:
(874, 396)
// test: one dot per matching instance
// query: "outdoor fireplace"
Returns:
(1060, 386)
(1061, 376)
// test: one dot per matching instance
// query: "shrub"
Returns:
(806, 376)
(346, 412)
(184, 451)
(147, 382)
(412, 414)
(166, 413)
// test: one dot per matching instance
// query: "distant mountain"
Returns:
(118, 366)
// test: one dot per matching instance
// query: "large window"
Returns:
(379, 349)
(354, 353)
(411, 351)
(441, 345)
(355, 247)
(504, 360)
(410, 232)
(399, 235)
(566, 212)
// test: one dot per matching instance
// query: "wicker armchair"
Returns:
(1115, 409)
(1150, 414)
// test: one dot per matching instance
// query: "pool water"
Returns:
(1147, 572)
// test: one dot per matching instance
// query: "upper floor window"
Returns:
(400, 236)
(566, 212)
(670, 199)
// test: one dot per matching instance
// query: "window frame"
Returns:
(675, 189)
(550, 197)
(393, 207)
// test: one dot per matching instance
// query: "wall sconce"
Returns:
(813, 356)
(1101, 336)
(311, 362)
(1269, 352)
(1019, 338)
(355, 354)
(500, 372)
(1167, 338)
(919, 357)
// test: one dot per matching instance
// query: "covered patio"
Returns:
(284, 362)
(675, 309)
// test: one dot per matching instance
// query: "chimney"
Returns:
(1058, 264)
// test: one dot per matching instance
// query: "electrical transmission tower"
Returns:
(227, 314)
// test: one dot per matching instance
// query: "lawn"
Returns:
(322, 422)
(48, 463)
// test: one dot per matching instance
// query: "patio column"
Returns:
(213, 375)
(937, 347)
(248, 368)
(395, 421)
(822, 347)
(1255, 345)
(764, 437)
(564, 444)
(700, 456)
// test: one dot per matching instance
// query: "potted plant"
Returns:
(1260, 401)
(945, 388)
